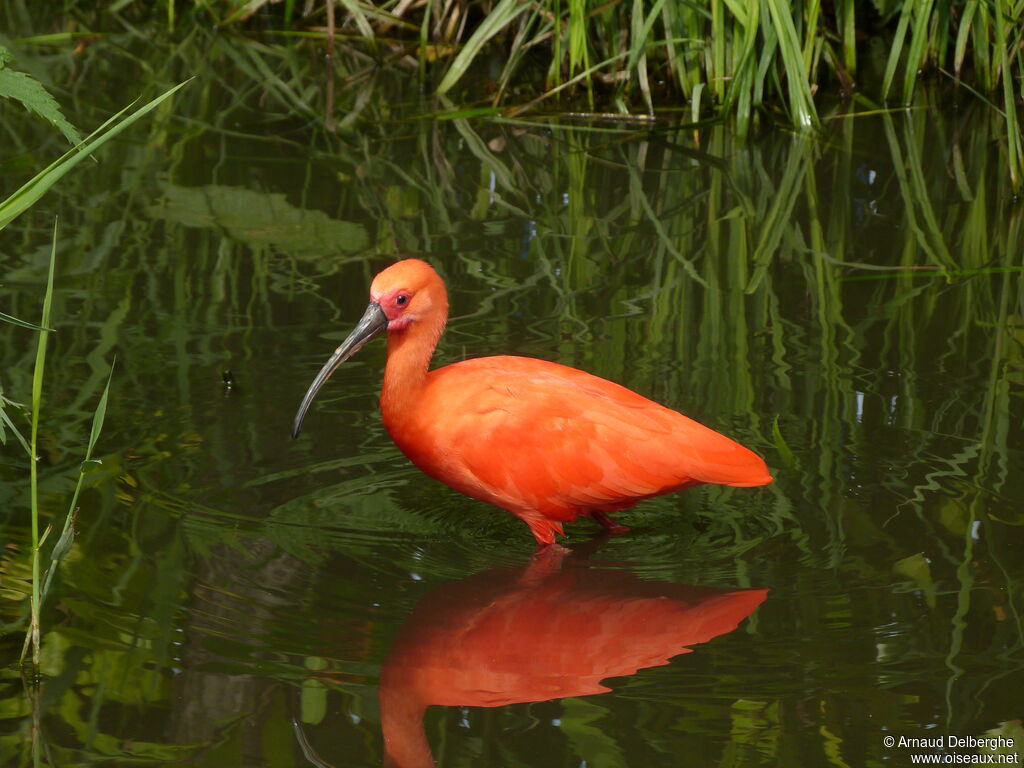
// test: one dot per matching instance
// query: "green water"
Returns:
(851, 307)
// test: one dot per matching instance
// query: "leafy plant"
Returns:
(24, 88)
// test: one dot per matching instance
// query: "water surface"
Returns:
(850, 306)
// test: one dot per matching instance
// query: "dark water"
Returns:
(851, 307)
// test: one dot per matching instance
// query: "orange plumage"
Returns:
(541, 440)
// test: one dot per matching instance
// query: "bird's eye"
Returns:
(402, 300)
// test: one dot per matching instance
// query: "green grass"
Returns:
(754, 64)
(32, 94)
(32, 636)
(41, 580)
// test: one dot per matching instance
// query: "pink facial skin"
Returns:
(394, 303)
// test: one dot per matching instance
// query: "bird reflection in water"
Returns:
(555, 628)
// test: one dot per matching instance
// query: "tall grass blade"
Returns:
(41, 183)
(848, 28)
(963, 33)
(896, 49)
(32, 638)
(812, 10)
(504, 13)
(1014, 147)
(579, 56)
(638, 55)
(918, 52)
(717, 76)
(801, 104)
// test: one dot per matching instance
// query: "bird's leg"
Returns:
(543, 528)
(613, 528)
(545, 563)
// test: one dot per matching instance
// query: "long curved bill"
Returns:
(370, 325)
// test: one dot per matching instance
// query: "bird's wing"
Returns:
(555, 438)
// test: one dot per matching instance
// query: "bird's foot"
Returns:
(613, 528)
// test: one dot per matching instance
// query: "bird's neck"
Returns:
(405, 375)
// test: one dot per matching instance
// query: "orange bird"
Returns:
(546, 442)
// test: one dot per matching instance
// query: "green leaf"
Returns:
(67, 534)
(61, 548)
(34, 97)
(99, 416)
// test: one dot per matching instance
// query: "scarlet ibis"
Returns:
(554, 629)
(546, 442)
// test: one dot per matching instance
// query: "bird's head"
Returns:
(407, 294)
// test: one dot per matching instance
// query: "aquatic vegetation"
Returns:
(10, 208)
(849, 303)
(764, 63)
